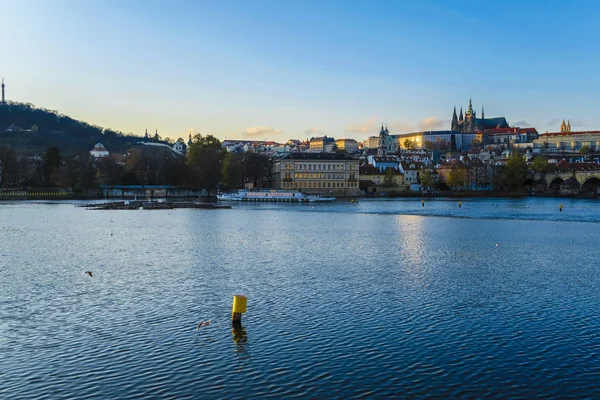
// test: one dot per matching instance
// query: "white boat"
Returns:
(273, 196)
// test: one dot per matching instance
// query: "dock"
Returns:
(152, 205)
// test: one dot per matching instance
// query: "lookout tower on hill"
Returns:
(3, 99)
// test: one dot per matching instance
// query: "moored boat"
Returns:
(272, 196)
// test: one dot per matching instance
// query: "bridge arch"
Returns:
(591, 185)
(554, 186)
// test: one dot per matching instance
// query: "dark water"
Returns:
(497, 299)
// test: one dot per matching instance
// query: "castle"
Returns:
(470, 123)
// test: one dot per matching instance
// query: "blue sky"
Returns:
(294, 69)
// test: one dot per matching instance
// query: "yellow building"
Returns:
(317, 173)
(346, 144)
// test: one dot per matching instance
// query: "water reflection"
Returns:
(240, 339)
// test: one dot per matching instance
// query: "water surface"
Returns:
(382, 298)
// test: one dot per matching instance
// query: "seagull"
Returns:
(201, 324)
(88, 273)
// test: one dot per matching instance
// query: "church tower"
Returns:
(469, 125)
(381, 150)
(482, 114)
(568, 125)
(454, 126)
(563, 126)
(3, 99)
(146, 135)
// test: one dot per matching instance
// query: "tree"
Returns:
(232, 170)
(514, 172)
(476, 144)
(539, 165)
(584, 150)
(428, 145)
(408, 144)
(388, 177)
(8, 163)
(425, 179)
(456, 177)
(257, 168)
(51, 161)
(204, 158)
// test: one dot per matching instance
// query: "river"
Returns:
(381, 298)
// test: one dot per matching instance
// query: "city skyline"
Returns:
(267, 70)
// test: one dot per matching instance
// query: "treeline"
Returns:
(207, 165)
(30, 131)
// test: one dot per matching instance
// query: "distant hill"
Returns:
(30, 131)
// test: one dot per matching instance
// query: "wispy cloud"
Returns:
(400, 127)
(555, 121)
(313, 131)
(578, 122)
(261, 131)
(522, 124)
(575, 122)
(432, 123)
(373, 125)
(370, 126)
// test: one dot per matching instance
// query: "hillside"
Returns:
(30, 131)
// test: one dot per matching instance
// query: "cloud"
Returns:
(261, 131)
(576, 122)
(399, 127)
(370, 126)
(312, 131)
(522, 124)
(432, 123)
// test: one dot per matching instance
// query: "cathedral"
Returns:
(469, 123)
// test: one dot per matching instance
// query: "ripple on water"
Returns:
(343, 302)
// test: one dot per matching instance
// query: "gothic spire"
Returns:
(568, 125)
(563, 126)
(460, 117)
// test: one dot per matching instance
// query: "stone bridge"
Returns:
(570, 182)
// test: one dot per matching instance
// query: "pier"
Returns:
(151, 205)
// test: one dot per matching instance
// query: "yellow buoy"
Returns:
(560, 208)
(422, 203)
(459, 204)
(239, 307)
(239, 303)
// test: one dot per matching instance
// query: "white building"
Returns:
(99, 151)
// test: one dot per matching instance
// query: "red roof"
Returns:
(568, 133)
(502, 130)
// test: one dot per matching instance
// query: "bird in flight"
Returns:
(201, 324)
(88, 273)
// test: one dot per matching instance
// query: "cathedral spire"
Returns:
(460, 117)
(454, 125)
(563, 126)
(470, 109)
(568, 125)
(482, 114)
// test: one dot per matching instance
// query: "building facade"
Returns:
(348, 145)
(565, 142)
(322, 144)
(317, 173)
